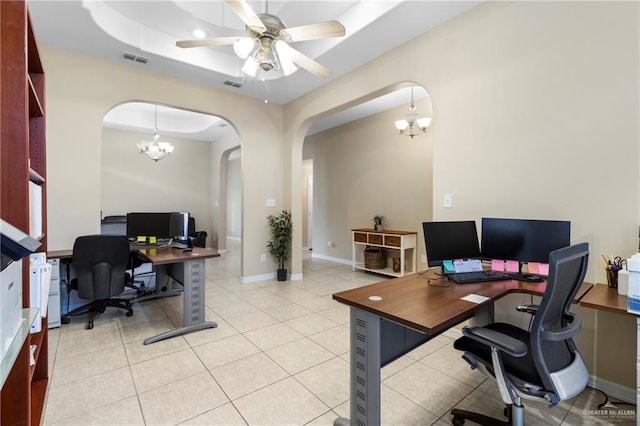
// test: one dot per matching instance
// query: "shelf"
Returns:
(35, 107)
(9, 358)
(396, 244)
(386, 271)
(35, 177)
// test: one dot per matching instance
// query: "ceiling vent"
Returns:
(233, 83)
(135, 58)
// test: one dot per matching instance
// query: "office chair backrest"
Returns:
(100, 262)
(553, 325)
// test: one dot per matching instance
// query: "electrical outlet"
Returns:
(447, 202)
(423, 258)
(263, 258)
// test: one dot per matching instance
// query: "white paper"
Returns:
(475, 298)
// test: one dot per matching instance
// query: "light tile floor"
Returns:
(279, 356)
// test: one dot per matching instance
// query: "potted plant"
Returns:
(280, 244)
(378, 220)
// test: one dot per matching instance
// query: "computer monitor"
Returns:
(149, 225)
(450, 241)
(179, 226)
(524, 240)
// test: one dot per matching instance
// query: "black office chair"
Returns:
(542, 363)
(197, 238)
(100, 262)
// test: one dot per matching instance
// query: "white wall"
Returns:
(130, 181)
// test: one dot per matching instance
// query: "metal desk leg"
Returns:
(365, 370)
(193, 303)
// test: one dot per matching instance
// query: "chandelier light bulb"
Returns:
(243, 47)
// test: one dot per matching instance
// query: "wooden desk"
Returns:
(188, 268)
(603, 298)
(409, 314)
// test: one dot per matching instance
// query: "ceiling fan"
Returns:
(273, 38)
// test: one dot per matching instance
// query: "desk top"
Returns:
(157, 255)
(411, 301)
(605, 299)
(165, 255)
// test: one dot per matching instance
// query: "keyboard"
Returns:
(179, 245)
(479, 276)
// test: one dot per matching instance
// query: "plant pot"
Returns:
(282, 274)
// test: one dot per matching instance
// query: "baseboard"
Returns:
(615, 391)
(256, 278)
(295, 277)
(332, 259)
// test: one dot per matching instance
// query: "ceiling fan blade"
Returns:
(216, 41)
(248, 16)
(309, 64)
(313, 31)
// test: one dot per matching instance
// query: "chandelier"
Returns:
(155, 149)
(412, 125)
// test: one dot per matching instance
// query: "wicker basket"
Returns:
(375, 258)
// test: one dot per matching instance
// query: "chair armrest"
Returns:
(529, 309)
(504, 343)
(564, 333)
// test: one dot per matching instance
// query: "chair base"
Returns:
(459, 417)
(96, 307)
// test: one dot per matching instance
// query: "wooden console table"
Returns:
(397, 244)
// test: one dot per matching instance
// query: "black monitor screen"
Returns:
(179, 226)
(450, 240)
(523, 240)
(149, 225)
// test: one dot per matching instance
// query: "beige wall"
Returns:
(80, 91)
(362, 169)
(130, 183)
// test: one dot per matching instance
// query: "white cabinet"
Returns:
(399, 247)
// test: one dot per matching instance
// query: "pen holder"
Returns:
(612, 277)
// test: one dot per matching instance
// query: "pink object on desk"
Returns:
(533, 267)
(497, 265)
(513, 266)
(543, 269)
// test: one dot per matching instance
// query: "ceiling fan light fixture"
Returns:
(285, 57)
(250, 67)
(243, 47)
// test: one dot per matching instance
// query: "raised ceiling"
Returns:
(148, 30)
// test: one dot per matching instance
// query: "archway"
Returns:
(185, 180)
(350, 195)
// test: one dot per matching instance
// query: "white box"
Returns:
(39, 280)
(10, 304)
(53, 307)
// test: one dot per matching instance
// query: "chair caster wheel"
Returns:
(129, 313)
(89, 324)
(457, 421)
(65, 320)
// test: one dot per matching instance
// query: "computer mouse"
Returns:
(533, 277)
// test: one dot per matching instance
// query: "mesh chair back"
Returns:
(100, 262)
(567, 269)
